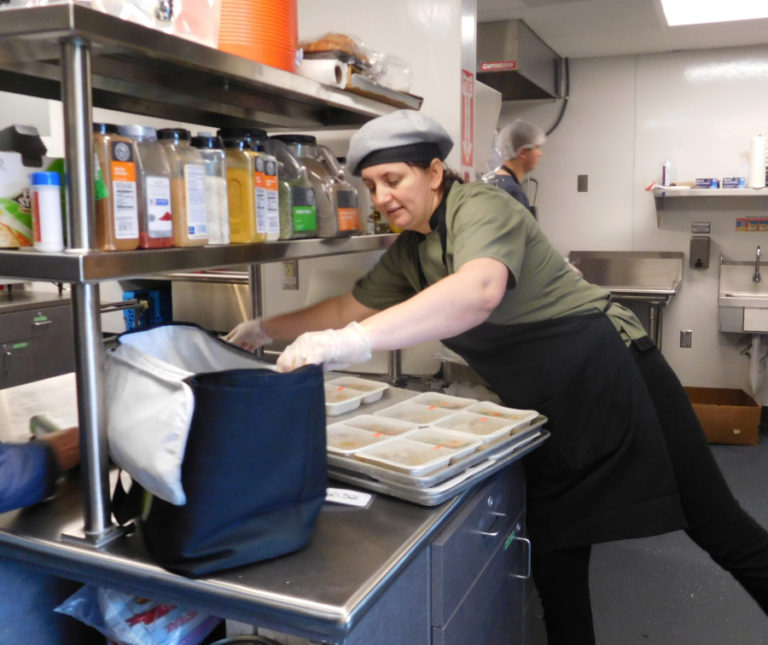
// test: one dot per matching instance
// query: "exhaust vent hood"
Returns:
(512, 59)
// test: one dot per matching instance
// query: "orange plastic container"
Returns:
(263, 30)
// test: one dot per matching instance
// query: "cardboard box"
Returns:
(727, 415)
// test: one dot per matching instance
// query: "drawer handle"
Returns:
(42, 323)
(497, 519)
(527, 574)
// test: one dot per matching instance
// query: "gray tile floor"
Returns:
(665, 590)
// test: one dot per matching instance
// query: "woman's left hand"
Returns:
(334, 348)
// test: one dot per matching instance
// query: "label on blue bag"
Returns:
(348, 497)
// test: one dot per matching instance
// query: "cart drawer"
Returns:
(492, 610)
(461, 551)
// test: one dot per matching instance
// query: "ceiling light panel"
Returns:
(697, 12)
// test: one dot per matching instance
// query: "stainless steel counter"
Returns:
(323, 589)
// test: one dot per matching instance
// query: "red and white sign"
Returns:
(467, 118)
(498, 66)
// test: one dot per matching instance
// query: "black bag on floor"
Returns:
(253, 471)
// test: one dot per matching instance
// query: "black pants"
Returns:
(716, 522)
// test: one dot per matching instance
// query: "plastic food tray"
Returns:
(461, 443)
(414, 413)
(445, 401)
(483, 427)
(349, 464)
(342, 439)
(340, 401)
(406, 456)
(519, 418)
(372, 390)
(383, 425)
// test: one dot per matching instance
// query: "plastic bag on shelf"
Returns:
(348, 49)
(390, 71)
(129, 619)
(379, 67)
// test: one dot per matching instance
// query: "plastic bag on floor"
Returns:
(128, 619)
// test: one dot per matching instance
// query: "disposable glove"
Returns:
(248, 335)
(334, 348)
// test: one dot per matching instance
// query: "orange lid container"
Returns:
(263, 30)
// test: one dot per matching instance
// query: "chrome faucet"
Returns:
(756, 277)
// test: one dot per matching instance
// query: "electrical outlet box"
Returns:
(699, 255)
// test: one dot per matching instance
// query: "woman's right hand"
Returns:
(249, 335)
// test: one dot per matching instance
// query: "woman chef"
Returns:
(626, 457)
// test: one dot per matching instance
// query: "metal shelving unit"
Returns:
(87, 58)
(663, 192)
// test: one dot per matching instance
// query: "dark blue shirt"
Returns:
(513, 187)
(28, 474)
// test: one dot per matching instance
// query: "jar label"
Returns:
(272, 198)
(304, 209)
(197, 217)
(158, 196)
(347, 211)
(125, 197)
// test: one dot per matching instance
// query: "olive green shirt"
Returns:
(483, 221)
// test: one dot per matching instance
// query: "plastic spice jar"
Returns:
(154, 183)
(298, 210)
(342, 193)
(117, 207)
(212, 150)
(241, 193)
(47, 223)
(190, 217)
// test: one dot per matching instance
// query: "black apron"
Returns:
(604, 474)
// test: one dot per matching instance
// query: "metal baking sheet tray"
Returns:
(380, 473)
(446, 489)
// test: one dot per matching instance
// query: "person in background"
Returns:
(626, 457)
(519, 144)
(30, 472)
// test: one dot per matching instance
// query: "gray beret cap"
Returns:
(403, 135)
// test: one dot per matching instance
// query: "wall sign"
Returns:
(467, 120)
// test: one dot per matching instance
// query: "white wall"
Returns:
(625, 116)
(426, 33)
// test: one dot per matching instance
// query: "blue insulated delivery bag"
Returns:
(251, 474)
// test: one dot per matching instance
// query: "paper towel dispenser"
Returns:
(512, 59)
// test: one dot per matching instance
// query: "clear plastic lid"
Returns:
(415, 413)
(380, 425)
(343, 439)
(404, 455)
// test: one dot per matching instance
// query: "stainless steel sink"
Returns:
(650, 277)
(742, 302)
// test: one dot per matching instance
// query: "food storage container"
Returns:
(520, 418)
(463, 443)
(406, 456)
(373, 390)
(381, 425)
(341, 400)
(485, 427)
(419, 414)
(445, 401)
(342, 439)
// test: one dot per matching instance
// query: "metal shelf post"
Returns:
(89, 348)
